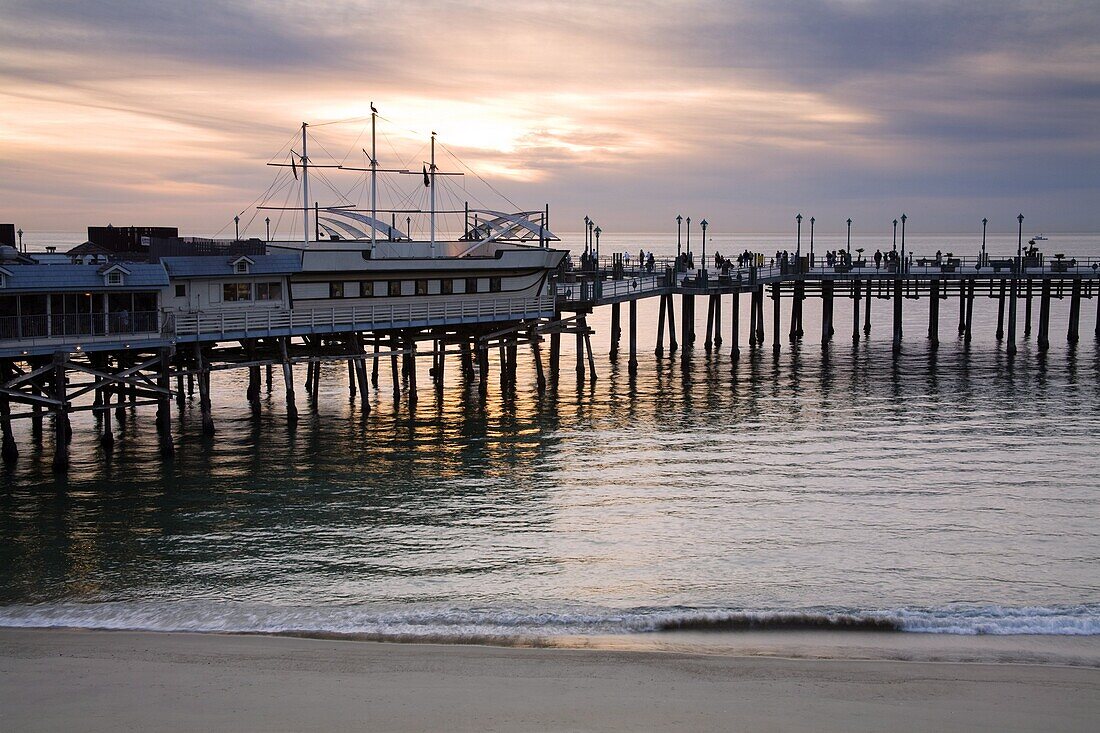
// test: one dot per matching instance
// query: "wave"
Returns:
(486, 624)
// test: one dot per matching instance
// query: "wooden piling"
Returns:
(968, 327)
(867, 310)
(687, 315)
(616, 330)
(1072, 333)
(536, 356)
(288, 382)
(855, 310)
(1013, 292)
(351, 379)
(9, 452)
(483, 369)
(374, 363)
(204, 391)
(164, 402)
(1043, 338)
(61, 437)
(672, 345)
(897, 315)
(962, 307)
(660, 348)
(735, 319)
(1001, 311)
(360, 363)
(934, 314)
(776, 325)
(708, 335)
(632, 364)
(1027, 310)
(394, 373)
(826, 311)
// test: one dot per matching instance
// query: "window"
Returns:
(114, 278)
(421, 287)
(446, 286)
(366, 289)
(269, 291)
(494, 285)
(181, 291)
(232, 292)
(241, 267)
(336, 290)
(471, 285)
(395, 288)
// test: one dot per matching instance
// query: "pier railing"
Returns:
(33, 330)
(213, 324)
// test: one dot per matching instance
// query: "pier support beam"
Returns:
(288, 383)
(1043, 340)
(687, 329)
(61, 435)
(760, 315)
(968, 329)
(867, 310)
(8, 451)
(717, 320)
(536, 356)
(395, 373)
(1001, 311)
(897, 315)
(826, 311)
(360, 365)
(934, 314)
(616, 330)
(632, 364)
(672, 345)
(164, 402)
(1014, 291)
(962, 307)
(776, 290)
(708, 335)
(855, 310)
(735, 322)
(1072, 333)
(1027, 310)
(204, 392)
(660, 348)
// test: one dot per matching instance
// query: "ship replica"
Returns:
(362, 256)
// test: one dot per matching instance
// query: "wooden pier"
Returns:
(165, 364)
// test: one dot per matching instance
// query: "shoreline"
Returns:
(110, 680)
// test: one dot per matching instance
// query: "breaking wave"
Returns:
(450, 624)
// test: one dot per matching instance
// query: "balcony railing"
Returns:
(78, 326)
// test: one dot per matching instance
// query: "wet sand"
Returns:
(103, 680)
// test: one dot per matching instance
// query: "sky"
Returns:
(742, 112)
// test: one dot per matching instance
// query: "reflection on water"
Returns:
(834, 477)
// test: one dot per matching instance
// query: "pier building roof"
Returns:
(200, 266)
(82, 278)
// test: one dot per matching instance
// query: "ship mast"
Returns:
(431, 185)
(373, 179)
(305, 190)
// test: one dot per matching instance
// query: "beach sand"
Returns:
(117, 680)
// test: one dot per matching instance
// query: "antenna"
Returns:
(373, 179)
(431, 183)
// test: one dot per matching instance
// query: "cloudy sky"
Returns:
(135, 111)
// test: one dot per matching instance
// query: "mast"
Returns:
(373, 179)
(431, 185)
(305, 190)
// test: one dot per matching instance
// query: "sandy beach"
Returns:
(109, 681)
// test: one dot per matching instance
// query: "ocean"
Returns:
(831, 487)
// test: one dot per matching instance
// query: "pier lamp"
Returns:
(688, 220)
(895, 235)
(408, 227)
(590, 225)
(703, 224)
(267, 221)
(849, 235)
(20, 233)
(812, 220)
(679, 219)
(1020, 245)
(596, 231)
(984, 223)
(903, 218)
(587, 229)
(237, 228)
(798, 239)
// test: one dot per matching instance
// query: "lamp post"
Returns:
(984, 223)
(587, 229)
(679, 220)
(408, 227)
(597, 233)
(592, 249)
(903, 218)
(703, 224)
(237, 228)
(895, 235)
(1020, 245)
(267, 221)
(798, 240)
(812, 220)
(849, 237)
(20, 233)
(688, 220)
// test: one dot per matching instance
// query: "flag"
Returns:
(293, 168)
(427, 178)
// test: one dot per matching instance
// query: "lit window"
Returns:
(471, 285)
(233, 292)
(336, 290)
(269, 291)
(421, 287)
(494, 285)
(366, 289)
(395, 288)
(446, 286)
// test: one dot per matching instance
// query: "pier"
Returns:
(58, 364)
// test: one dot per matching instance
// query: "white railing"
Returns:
(364, 317)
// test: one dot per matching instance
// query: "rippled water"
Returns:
(952, 491)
